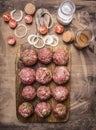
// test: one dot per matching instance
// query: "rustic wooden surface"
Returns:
(83, 67)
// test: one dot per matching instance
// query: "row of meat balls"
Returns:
(29, 57)
(43, 108)
(43, 75)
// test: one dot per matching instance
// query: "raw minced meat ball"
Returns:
(28, 57)
(27, 75)
(43, 75)
(60, 111)
(25, 109)
(61, 57)
(61, 75)
(29, 92)
(60, 93)
(45, 55)
(43, 109)
(43, 92)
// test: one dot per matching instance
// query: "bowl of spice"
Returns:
(83, 38)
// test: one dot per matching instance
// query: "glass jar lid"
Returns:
(67, 7)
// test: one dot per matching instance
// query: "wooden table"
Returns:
(83, 71)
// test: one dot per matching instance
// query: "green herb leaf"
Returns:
(27, 105)
(60, 108)
(64, 72)
(48, 74)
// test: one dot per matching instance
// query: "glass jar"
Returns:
(83, 38)
(65, 12)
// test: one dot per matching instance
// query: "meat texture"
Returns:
(61, 75)
(43, 93)
(25, 109)
(28, 92)
(61, 57)
(28, 57)
(45, 55)
(43, 75)
(60, 93)
(27, 75)
(43, 109)
(60, 111)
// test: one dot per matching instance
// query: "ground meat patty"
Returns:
(60, 93)
(43, 75)
(43, 92)
(28, 57)
(43, 109)
(28, 92)
(61, 57)
(27, 75)
(45, 55)
(61, 75)
(60, 110)
(25, 109)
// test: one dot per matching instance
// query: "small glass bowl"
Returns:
(83, 38)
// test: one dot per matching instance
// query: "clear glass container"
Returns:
(83, 38)
(66, 12)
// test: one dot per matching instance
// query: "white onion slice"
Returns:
(12, 15)
(51, 20)
(48, 39)
(23, 35)
(57, 40)
(32, 36)
(43, 43)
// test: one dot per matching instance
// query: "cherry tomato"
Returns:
(12, 23)
(43, 30)
(59, 29)
(6, 17)
(28, 19)
(11, 40)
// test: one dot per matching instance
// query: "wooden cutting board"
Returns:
(52, 85)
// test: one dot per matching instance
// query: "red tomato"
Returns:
(28, 19)
(6, 17)
(59, 29)
(43, 30)
(12, 23)
(11, 40)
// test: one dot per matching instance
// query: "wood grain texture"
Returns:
(83, 77)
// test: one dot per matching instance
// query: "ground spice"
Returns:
(82, 40)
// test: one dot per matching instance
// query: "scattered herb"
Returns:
(48, 74)
(20, 59)
(60, 108)
(27, 105)
(64, 71)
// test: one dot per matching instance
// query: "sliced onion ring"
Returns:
(12, 16)
(50, 19)
(48, 39)
(23, 35)
(57, 40)
(30, 37)
(43, 43)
